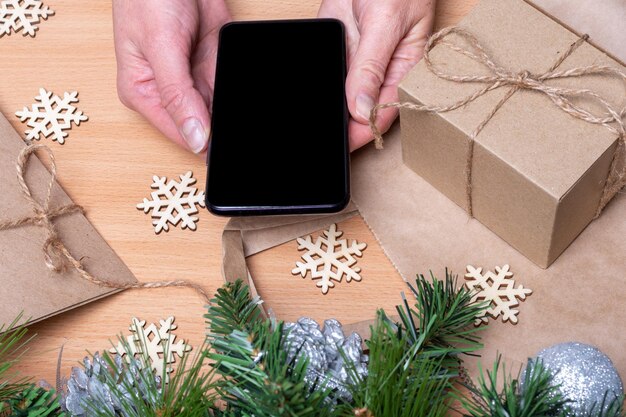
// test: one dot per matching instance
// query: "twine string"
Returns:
(57, 257)
(499, 77)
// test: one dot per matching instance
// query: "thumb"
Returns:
(369, 66)
(179, 98)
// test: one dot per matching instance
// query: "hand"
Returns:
(386, 38)
(166, 51)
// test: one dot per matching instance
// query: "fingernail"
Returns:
(195, 135)
(364, 105)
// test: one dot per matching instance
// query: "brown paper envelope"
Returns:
(579, 298)
(602, 21)
(26, 283)
(245, 236)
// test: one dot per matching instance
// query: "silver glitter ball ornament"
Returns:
(326, 349)
(585, 376)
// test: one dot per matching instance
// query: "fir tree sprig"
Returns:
(445, 315)
(401, 381)
(233, 308)
(536, 396)
(413, 363)
(12, 346)
(138, 392)
(610, 406)
(251, 355)
(33, 401)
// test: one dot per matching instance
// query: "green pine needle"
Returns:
(244, 370)
(610, 406)
(33, 401)
(189, 393)
(538, 398)
(401, 381)
(233, 309)
(12, 347)
(412, 364)
(450, 311)
(251, 355)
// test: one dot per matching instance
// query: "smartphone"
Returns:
(279, 128)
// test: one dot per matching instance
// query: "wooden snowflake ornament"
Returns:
(173, 202)
(329, 258)
(24, 15)
(159, 342)
(52, 115)
(498, 289)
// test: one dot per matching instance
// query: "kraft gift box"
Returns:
(537, 173)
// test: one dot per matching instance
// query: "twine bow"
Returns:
(499, 76)
(57, 257)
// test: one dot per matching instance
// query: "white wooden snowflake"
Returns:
(160, 343)
(498, 289)
(16, 15)
(52, 115)
(329, 258)
(173, 202)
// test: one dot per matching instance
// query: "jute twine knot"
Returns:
(499, 77)
(56, 255)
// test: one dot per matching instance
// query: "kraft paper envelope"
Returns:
(581, 297)
(245, 236)
(26, 283)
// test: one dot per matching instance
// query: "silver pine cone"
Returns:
(326, 349)
(100, 386)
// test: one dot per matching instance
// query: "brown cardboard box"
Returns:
(537, 172)
(604, 21)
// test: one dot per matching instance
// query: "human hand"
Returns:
(385, 39)
(166, 51)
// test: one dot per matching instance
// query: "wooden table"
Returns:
(107, 165)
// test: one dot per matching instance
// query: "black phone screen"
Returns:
(279, 119)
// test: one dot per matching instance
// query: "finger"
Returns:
(360, 133)
(342, 10)
(408, 52)
(144, 98)
(182, 102)
(213, 15)
(367, 72)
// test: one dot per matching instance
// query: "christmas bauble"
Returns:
(584, 375)
(326, 348)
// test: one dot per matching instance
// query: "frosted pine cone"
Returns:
(323, 348)
(90, 388)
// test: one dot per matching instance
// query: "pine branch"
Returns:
(232, 308)
(449, 310)
(12, 346)
(137, 392)
(250, 354)
(539, 397)
(610, 406)
(258, 378)
(33, 401)
(401, 382)
(412, 363)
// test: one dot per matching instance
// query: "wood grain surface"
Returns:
(107, 165)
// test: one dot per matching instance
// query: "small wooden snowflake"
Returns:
(329, 258)
(173, 202)
(160, 343)
(51, 115)
(498, 289)
(24, 15)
